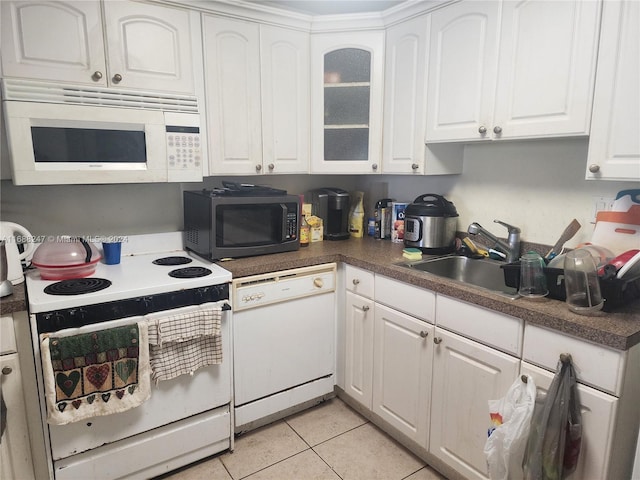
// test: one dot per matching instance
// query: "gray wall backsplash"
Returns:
(537, 185)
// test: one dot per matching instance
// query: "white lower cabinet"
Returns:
(609, 394)
(598, 414)
(426, 365)
(388, 353)
(403, 352)
(358, 348)
(466, 375)
(15, 449)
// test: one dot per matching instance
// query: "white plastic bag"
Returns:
(511, 422)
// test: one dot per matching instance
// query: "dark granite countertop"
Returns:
(16, 302)
(619, 330)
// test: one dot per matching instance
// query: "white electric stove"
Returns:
(186, 418)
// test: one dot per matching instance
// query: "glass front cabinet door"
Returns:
(347, 102)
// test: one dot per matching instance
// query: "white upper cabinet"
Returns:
(614, 144)
(284, 57)
(232, 85)
(462, 70)
(141, 46)
(256, 82)
(405, 97)
(511, 70)
(546, 72)
(346, 110)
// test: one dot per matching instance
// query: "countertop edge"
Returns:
(619, 330)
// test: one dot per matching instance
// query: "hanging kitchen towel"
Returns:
(187, 339)
(96, 373)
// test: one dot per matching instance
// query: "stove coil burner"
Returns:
(172, 261)
(190, 272)
(77, 286)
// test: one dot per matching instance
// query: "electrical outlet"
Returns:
(600, 204)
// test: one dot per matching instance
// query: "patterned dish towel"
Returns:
(97, 373)
(184, 341)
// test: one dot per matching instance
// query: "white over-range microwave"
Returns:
(67, 134)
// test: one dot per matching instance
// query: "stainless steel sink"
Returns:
(483, 273)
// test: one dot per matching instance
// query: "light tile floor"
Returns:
(327, 442)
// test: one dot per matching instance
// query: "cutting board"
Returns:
(618, 231)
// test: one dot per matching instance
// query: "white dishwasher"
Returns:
(283, 341)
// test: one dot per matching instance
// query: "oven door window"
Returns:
(88, 145)
(250, 225)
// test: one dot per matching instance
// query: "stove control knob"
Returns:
(79, 314)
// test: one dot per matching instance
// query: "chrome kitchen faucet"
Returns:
(511, 248)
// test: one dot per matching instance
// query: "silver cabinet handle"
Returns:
(482, 130)
(6, 370)
(437, 340)
(258, 167)
(271, 166)
(594, 168)
(96, 76)
(365, 308)
(374, 166)
(117, 78)
(356, 281)
(415, 166)
(497, 130)
(424, 334)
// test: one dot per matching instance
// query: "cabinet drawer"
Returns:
(406, 298)
(595, 365)
(7, 337)
(358, 280)
(491, 328)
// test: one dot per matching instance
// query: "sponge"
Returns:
(412, 253)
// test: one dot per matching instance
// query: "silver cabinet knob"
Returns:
(355, 281)
(497, 130)
(271, 166)
(414, 166)
(258, 167)
(96, 76)
(374, 166)
(6, 370)
(594, 168)
(424, 334)
(437, 340)
(365, 308)
(482, 130)
(117, 78)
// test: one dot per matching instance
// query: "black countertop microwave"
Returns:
(231, 223)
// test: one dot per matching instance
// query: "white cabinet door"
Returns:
(284, 57)
(546, 68)
(60, 41)
(463, 51)
(403, 352)
(346, 102)
(405, 96)
(466, 375)
(598, 421)
(359, 348)
(614, 144)
(15, 461)
(232, 84)
(511, 69)
(149, 47)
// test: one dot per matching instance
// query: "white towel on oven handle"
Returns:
(184, 340)
(184, 324)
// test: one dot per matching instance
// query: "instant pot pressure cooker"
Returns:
(430, 224)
